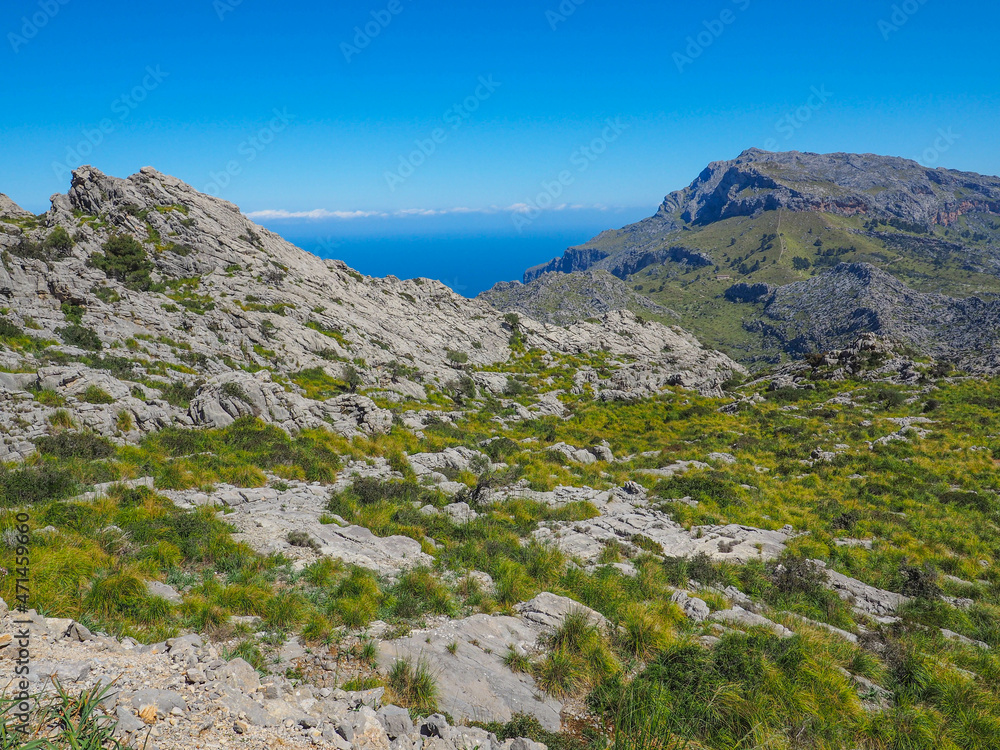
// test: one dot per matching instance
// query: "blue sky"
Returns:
(263, 104)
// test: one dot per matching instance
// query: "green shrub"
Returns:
(299, 538)
(25, 248)
(73, 313)
(920, 582)
(124, 259)
(179, 393)
(235, 391)
(704, 487)
(122, 368)
(797, 575)
(352, 378)
(30, 485)
(369, 490)
(9, 330)
(81, 337)
(97, 395)
(106, 294)
(82, 445)
(525, 725)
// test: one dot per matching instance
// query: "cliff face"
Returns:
(847, 184)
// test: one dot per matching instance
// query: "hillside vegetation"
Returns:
(927, 506)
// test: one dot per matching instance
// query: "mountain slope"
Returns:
(858, 298)
(781, 218)
(566, 298)
(182, 311)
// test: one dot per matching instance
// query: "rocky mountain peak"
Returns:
(193, 233)
(9, 208)
(848, 184)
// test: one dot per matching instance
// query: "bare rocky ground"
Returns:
(182, 693)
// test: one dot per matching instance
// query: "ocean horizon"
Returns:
(468, 254)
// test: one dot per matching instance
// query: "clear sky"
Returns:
(286, 107)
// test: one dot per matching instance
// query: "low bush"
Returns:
(30, 485)
(179, 393)
(82, 445)
(80, 337)
(414, 685)
(124, 259)
(97, 395)
(59, 241)
(300, 538)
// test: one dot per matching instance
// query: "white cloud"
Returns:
(322, 213)
(319, 213)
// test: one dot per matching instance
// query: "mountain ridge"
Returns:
(769, 221)
(778, 180)
(187, 313)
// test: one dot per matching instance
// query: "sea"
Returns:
(467, 253)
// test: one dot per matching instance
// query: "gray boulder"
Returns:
(395, 720)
